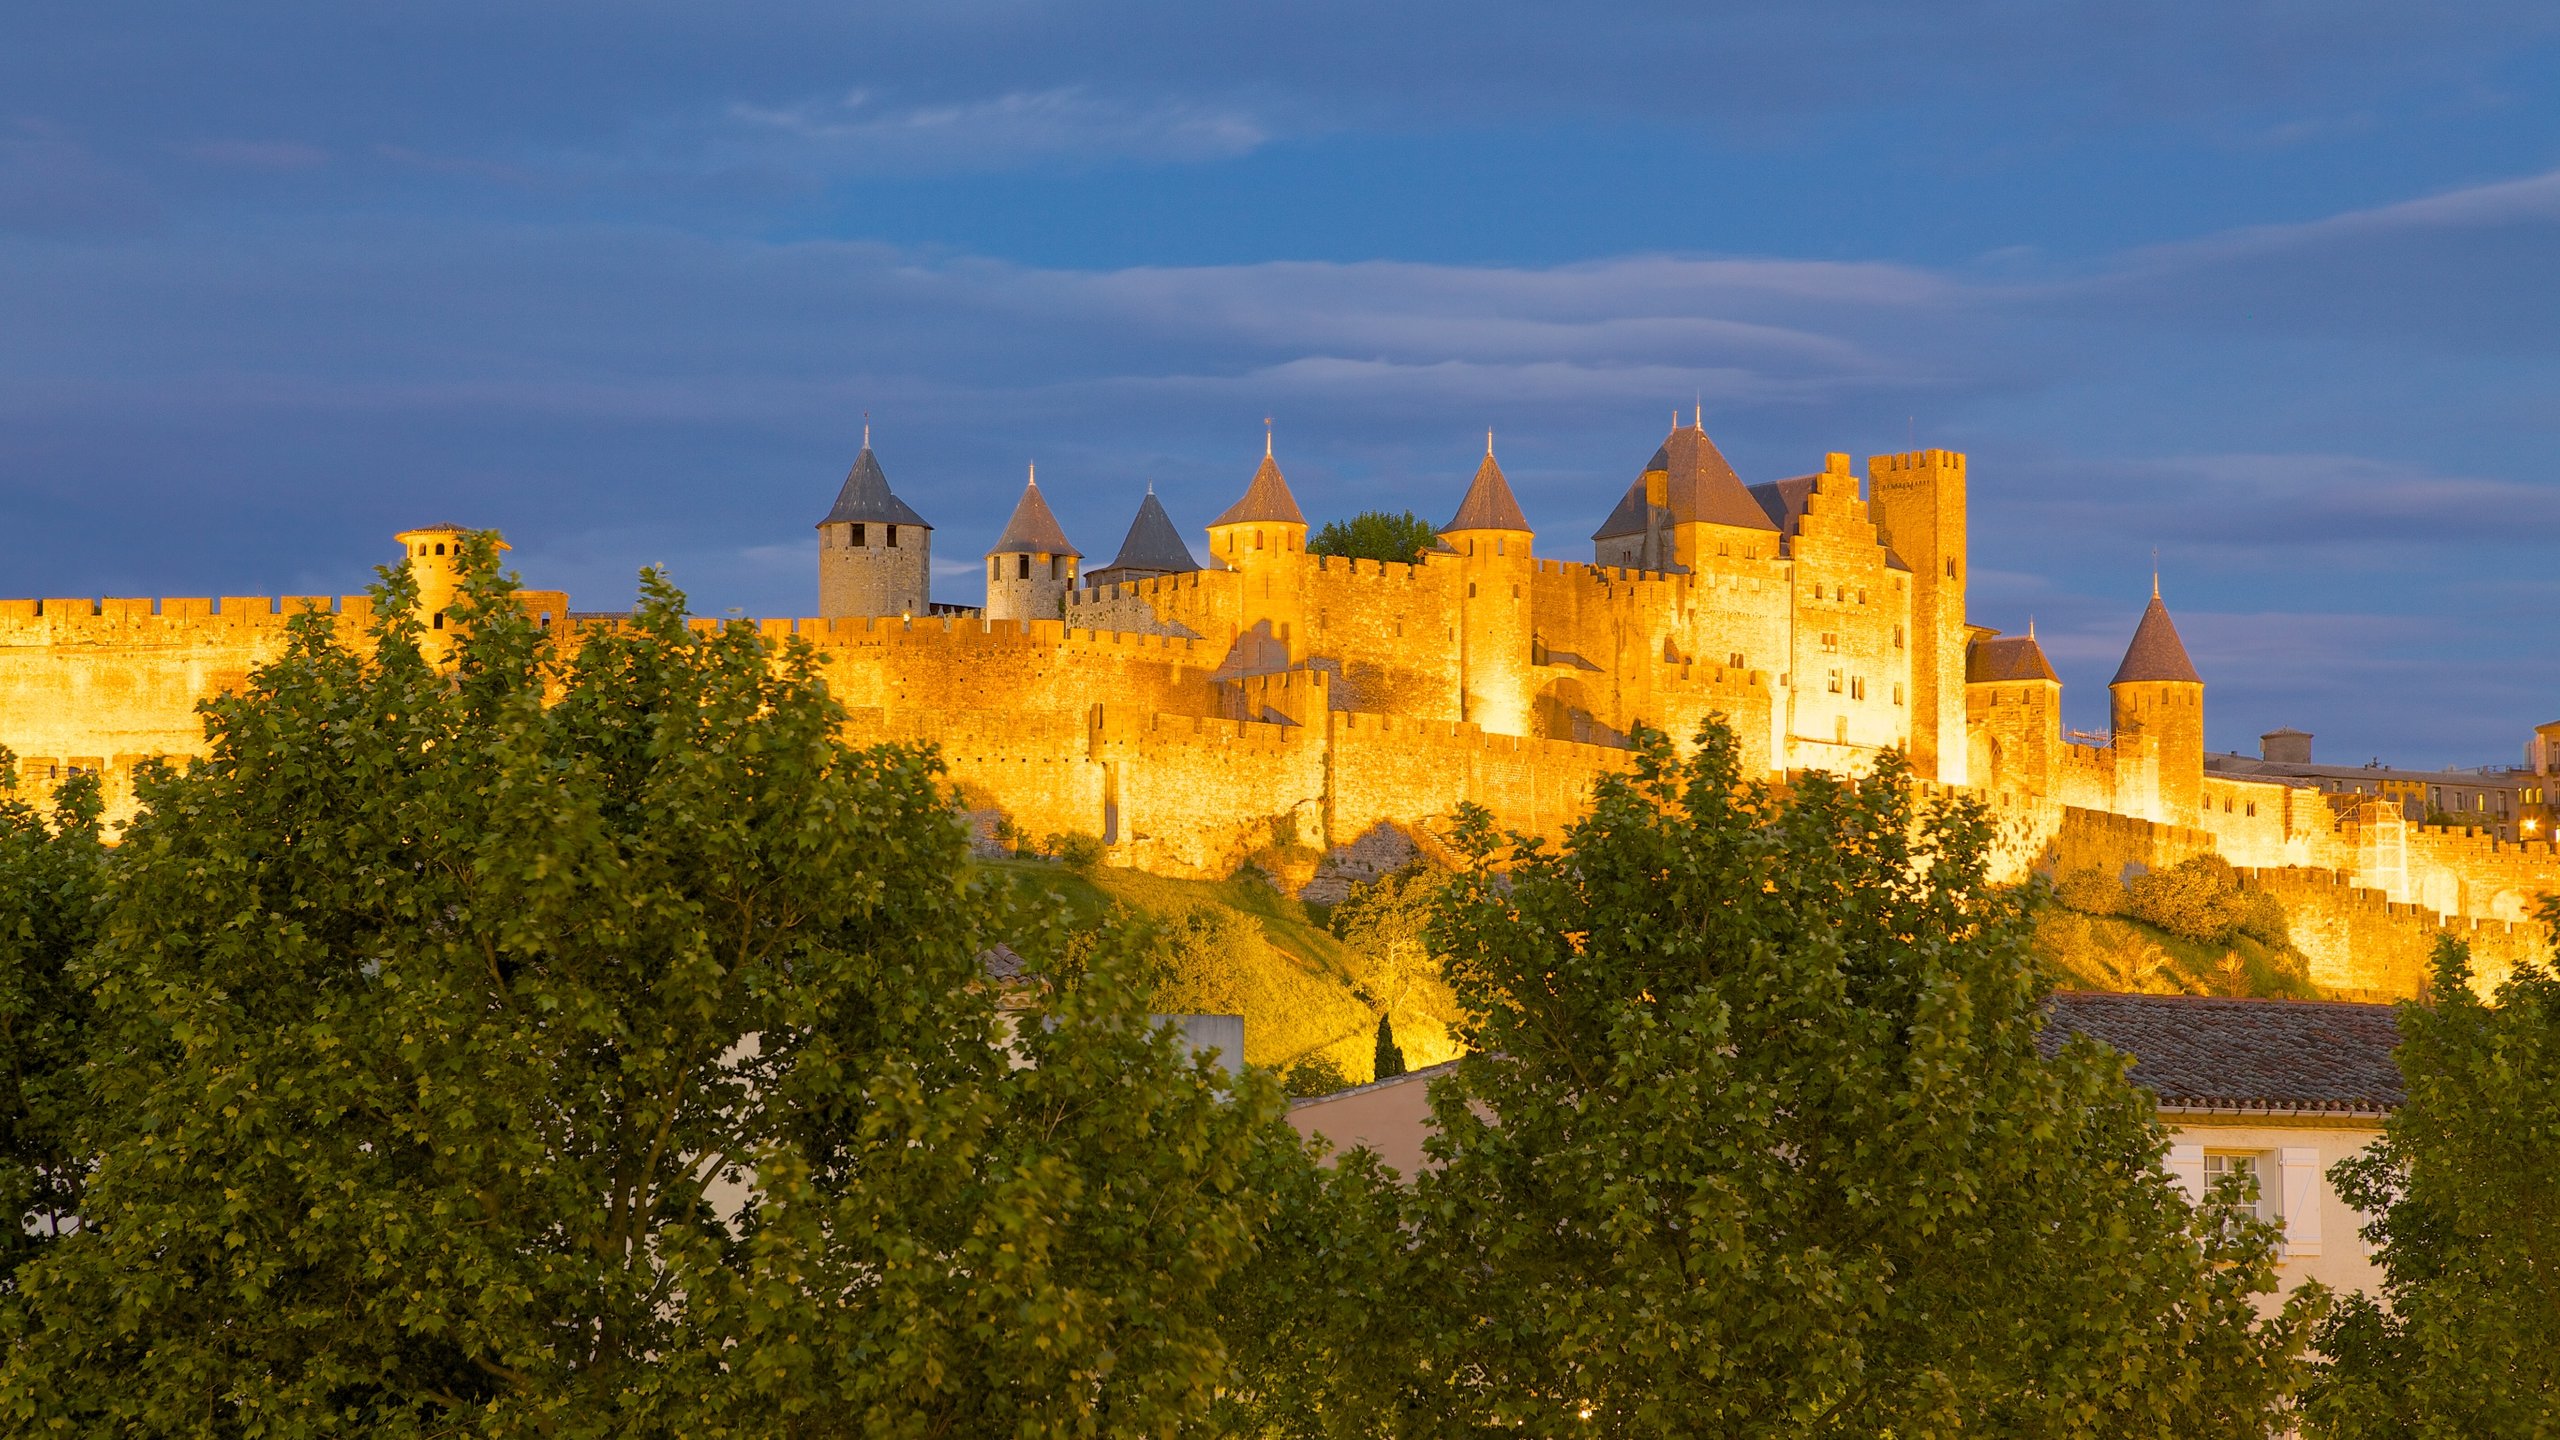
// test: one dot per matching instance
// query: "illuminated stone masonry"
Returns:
(1191, 715)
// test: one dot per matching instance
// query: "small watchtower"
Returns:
(1491, 540)
(435, 565)
(2157, 703)
(1032, 566)
(875, 554)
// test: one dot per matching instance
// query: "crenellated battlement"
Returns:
(130, 619)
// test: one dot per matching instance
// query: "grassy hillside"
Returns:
(1240, 947)
(2116, 952)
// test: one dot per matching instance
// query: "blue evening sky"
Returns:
(2273, 288)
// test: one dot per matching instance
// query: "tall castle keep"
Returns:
(1190, 714)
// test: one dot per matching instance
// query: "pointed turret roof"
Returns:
(1488, 505)
(2156, 652)
(1630, 518)
(1267, 499)
(1704, 488)
(1153, 543)
(866, 496)
(1033, 530)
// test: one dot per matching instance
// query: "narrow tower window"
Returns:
(893, 537)
(858, 536)
(1022, 567)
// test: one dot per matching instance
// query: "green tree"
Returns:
(2200, 898)
(586, 1045)
(1754, 1137)
(1376, 535)
(50, 863)
(2460, 1191)
(1390, 1059)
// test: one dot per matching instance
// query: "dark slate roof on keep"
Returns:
(2156, 652)
(866, 496)
(2197, 1052)
(1783, 501)
(1033, 530)
(1633, 515)
(1153, 543)
(1267, 500)
(1704, 488)
(1488, 505)
(2007, 660)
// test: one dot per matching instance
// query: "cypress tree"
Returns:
(1390, 1058)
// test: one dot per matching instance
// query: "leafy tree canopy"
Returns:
(50, 863)
(2460, 1190)
(1756, 1138)
(590, 1044)
(1376, 535)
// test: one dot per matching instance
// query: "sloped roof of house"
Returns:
(1267, 500)
(865, 495)
(2007, 660)
(2207, 1053)
(1033, 530)
(1489, 505)
(2156, 652)
(1153, 543)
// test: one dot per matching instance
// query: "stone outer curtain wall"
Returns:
(1192, 719)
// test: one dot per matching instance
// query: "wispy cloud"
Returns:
(860, 132)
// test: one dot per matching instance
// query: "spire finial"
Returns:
(1035, 475)
(1151, 487)
(2031, 627)
(1488, 442)
(1698, 415)
(866, 429)
(1266, 437)
(2155, 572)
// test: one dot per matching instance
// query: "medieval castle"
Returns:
(1191, 714)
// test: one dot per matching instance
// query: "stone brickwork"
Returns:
(1191, 719)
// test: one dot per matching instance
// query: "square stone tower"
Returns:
(1918, 500)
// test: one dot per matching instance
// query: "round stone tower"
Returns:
(1491, 538)
(1263, 537)
(875, 555)
(2157, 703)
(1032, 567)
(435, 565)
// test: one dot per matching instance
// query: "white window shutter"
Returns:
(2300, 1167)
(2186, 1166)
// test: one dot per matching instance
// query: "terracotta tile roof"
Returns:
(2156, 652)
(2204, 1053)
(865, 496)
(1704, 488)
(1033, 530)
(1267, 499)
(1488, 505)
(2006, 660)
(1152, 545)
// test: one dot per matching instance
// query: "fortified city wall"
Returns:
(1189, 716)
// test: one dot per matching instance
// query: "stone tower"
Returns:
(1263, 537)
(875, 555)
(1151, 548)
(1032, 566)
(2157, 700)
(435, 564)
(1637, 535)
(1713, 516)
(1918, 500)
(2014, 702)
(1491, 538)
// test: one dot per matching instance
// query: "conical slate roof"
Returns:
(1631, 516)
(2156, 653)
(1488, 505)
(1153, 543)
(866, 496)
(1704, 488)
(1033, 530)
(1267, 499)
